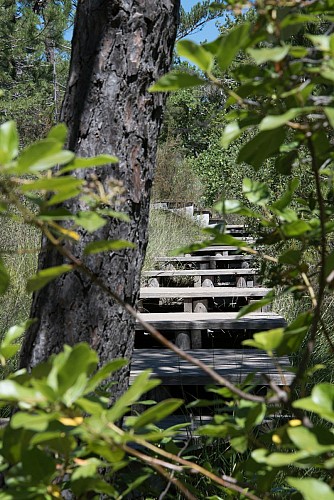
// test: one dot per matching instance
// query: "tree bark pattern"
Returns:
(119, 49)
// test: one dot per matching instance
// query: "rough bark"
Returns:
(120, 48)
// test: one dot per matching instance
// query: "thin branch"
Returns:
(160, 466)
(226, 483)
(322, 273)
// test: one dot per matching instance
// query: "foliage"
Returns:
(281, 111)
(174, 178)
(33, 63)
(167, 231)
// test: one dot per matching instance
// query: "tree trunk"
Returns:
(120, 48)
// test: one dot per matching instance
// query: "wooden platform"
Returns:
(221, 248)
(160, 292)
(229, 363)
(204, 258)
(213, 321)
(198, 272)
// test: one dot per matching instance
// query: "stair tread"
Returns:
(204, 258)
(230, 363)
(199, 272)
(212, 320)
(201, 292)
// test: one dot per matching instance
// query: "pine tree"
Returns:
(33, 63)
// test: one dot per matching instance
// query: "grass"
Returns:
(167, 232)
(19, 245)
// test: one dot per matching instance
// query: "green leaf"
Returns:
(9, 142)
(7, 349)
(226, 47)
(256, 192)
(239, 443)
(35, 422)
(175, 81)
(107, 246)
(55, 214)
(58, 132)
(88, 469)
(13, 391)
(296, 228)
(231, 132)
(41, 156)
(94, 161)
(261, 147)
(277, 459)
(330, 115)
(4, 278)
(104, 373)
(271, 122)
(267, 341)
(90, 221)
(235, 207)
(38, 464)
(71, 370)
(196, 54)
(286, 199)
(291, 257)
(63, 195)
(157, 412)
(275, 54)
(140, 386)
(329, 267)
(284, 163)
(315, 441)
(46, 275)
(320, 402)
(256, 305)
(321, 42)
(52, 184)
(311, 489)
(112, 213)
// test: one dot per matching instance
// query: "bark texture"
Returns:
(120, 47)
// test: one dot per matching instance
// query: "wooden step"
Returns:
(198, 272)
(229, 363)
(213, 321)
(219, 248)
(204, 258)
(160, 292)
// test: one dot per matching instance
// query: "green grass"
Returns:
(167, 232)
(19, 246)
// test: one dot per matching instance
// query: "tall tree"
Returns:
(119, 49)
(33, 63)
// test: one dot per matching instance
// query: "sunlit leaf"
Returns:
(9, 142)
(196, 54)
(157, 412)
(90, 221)
(94, 161)
(107, 246)
(175, 81)
(275, 54)
(46, 275)
(311, 488)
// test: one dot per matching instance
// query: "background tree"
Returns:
(33, 64)
(119, 50)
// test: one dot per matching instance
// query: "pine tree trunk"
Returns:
(120, 48)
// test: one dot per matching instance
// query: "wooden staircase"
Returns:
(201, 317)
